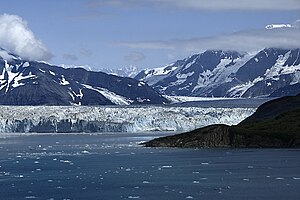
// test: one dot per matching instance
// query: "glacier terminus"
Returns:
(78, 119)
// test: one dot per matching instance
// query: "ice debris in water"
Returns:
(133, 197)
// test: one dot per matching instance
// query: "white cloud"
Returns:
(86, 52)
(204, 4)
(16, 37)
(296, 24)
(248, 41)
(135, 56)
(235, 4)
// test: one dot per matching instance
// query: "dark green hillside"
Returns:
(275, 107)
(274, 124)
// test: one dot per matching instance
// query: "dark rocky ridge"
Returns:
(274, 124)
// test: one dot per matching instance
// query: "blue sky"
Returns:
(150, 33)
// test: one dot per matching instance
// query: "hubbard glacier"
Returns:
(75, 119)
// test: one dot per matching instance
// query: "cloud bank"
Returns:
(16, 37)
(204, 4)
(252, 40)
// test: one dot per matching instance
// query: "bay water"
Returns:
(114, 166)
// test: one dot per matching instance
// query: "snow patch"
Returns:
(221, 73)
(63, 81)
(80, 95)
(142, 100)
(11, 75)
(278, 68)
(153, 76)
(72, 96)
(113, 97)
(296, 78)
(20, 77)
(26, 64)
(184, 76)
(52, 73)
(239, 90)
(141, 83)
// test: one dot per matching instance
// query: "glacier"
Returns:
(80, 119)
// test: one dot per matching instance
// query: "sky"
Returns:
(142, 33)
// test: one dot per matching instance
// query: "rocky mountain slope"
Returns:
(274, 124)
(24, 82)
(271, 72)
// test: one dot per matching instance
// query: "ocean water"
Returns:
(114, 166)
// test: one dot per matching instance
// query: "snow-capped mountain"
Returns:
(270, 72)
(24, 82)
(127, 71)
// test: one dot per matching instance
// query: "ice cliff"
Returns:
(56, 119)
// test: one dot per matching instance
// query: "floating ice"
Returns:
(133, 197)
(166, 166)
(30, 197)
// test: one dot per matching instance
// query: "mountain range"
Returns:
(24, 82)
(271, 72)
